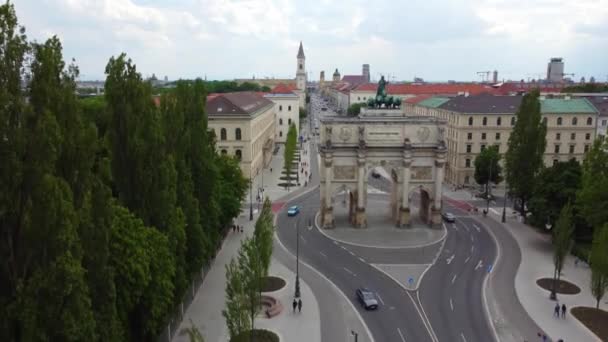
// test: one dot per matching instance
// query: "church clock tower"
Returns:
(301, 71)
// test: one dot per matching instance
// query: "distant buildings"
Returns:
(555, 70)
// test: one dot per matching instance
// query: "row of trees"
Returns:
(245, 275)
(109, 207)
(223, 87)
(291, 145)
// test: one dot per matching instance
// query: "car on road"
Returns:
(448, 217)
(293, 210)
(376, 174)
(367, 298)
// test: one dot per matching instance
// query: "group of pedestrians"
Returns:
(556, 310)
(236, 228)
(297, 304)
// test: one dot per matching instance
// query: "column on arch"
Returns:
(360, 218)
(328, 218)
(404, 211)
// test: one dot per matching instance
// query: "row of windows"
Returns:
(237, 153)
(281, 108)
(484, 121)
(558, 136)
(281, 121)
(556, 148)
(224, 135)
(483, 136)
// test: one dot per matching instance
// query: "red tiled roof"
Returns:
(430, 89)
(518, 87)
(354, 79)
(283, 88)
(416, 99)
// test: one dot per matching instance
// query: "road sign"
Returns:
(490, 268)
(411, 281)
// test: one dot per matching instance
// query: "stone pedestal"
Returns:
(360, 218)
(403, 221)
(327, 218)
(436, 219)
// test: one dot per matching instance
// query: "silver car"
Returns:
(367, 298)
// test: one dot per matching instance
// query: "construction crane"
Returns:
(485, 75)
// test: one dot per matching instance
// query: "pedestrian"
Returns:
(294, 305)
(270, 170)
(299, 305)
(556, 310)
(242, 230)
(564, 311)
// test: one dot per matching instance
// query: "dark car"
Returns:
(448, 217)
(367, 298)
(375, 174)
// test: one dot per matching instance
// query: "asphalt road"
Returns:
(448, 305)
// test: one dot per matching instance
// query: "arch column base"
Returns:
(403, 218)
(360, 218)
(436, 219)
(327, 218)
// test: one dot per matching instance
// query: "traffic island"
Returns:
(594, 319)
(257, 335)
(563, 287)
(272, 284)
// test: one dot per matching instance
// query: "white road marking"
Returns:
(381, 301)
(351, 253)
(323, 254)
(479, 265)
(463, 338)
(494, 211)
(303, 239)
(467, 259)
(454, 279)
(472, 248)
(471, 238)
(477, 228)
(335, 242)
(349, 271)
(454, 226)
(466, 227)
(344, 248)
(449, 260)
(451, 304)
(400, 334)
(362, 260)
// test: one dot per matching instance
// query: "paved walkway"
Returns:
(536, 252)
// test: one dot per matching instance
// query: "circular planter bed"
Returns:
(271, 284)
(259, 335)
(594, 319)
(563, 287)
(284, 185)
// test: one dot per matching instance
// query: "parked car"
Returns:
(293, 210)
(448, 217)
(367, 298)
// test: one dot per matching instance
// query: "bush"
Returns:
(259, 335)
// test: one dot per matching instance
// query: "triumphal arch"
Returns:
(410, 148)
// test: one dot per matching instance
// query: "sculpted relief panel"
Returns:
(344, 172)
(421, 172)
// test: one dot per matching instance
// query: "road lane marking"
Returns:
(463, 338)
(454, 226)
(451, 304)
(303, 239)
(381, 301)
(449, 260)
(477, 228)
(400, 334)
(344, 248)
(351, 253)
(454, 279)
(466, 228)
(467, 259)
(335, 242)
(362, 260)
(471, 238)
(479, 264)
(349, 271)
(323, 254)
(472, 248)
(431, 331)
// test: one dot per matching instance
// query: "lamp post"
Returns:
(250, 198)
(488, 188)
(355, 335)
(297, 294)
(504, 206)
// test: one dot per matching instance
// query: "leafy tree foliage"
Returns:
(487, 167)
(264, 234)
(554, 186)
(524, 157)
(562, 238)
(290, 150)
(236, 314)
(355, 109)
(599, 265)
(592, 198)
(587, 88)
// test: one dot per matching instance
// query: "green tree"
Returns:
(235, 313)
(251, 268)
(592, 198)
(524, 157)
(562, 239)
(302, 113)
(354, 109)
(233, 187)
(289, 153)
(264, 234)
(555, 186)
(487, 167)
(599, 264)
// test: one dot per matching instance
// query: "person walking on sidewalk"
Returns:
(294, 305)
(564, 311)
(299, 305)
(556, 310)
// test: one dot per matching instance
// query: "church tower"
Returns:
(301, 73)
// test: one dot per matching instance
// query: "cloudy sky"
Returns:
(225, 39)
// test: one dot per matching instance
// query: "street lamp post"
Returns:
(297, 294)
(355, 335)
(488, 189)
(250, 198)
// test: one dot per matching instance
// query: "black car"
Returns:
(448, 217)
(367, 298)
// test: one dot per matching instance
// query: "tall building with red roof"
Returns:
(287, 108)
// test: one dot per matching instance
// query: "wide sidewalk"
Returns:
(537, 256)
(205, 311)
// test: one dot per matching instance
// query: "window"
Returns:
(588, 136)
(289, 121)
(571, 149)
(555, 161)
(586, 148)
(281, 122)
(574, 121)
(497, 136)
(590, 121)
(223, 134)
(224, 152)
(558, 136)
(280, 108)
(499, 121)
(289, 108)
(556, 149)
(485, 121)
(483, 136)
(470, 121)
(237, 134)
(301, 66)
(469, 148)
(513, 121)
(604, 122)
(280, 133)
(559, 121)
(467, 163)
(483, 147)
(469, 136)
(238, 154)
(358, 98)
(572, 136)
(545, 121)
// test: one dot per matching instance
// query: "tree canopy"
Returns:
(487, 166)
(592, 198)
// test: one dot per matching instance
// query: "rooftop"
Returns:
(433, 102)
(237, 103)
(283, 88)
(354, 79)
(567, 106)
(429, 88)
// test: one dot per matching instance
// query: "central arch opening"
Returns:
(420, 206)
(382, 197)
